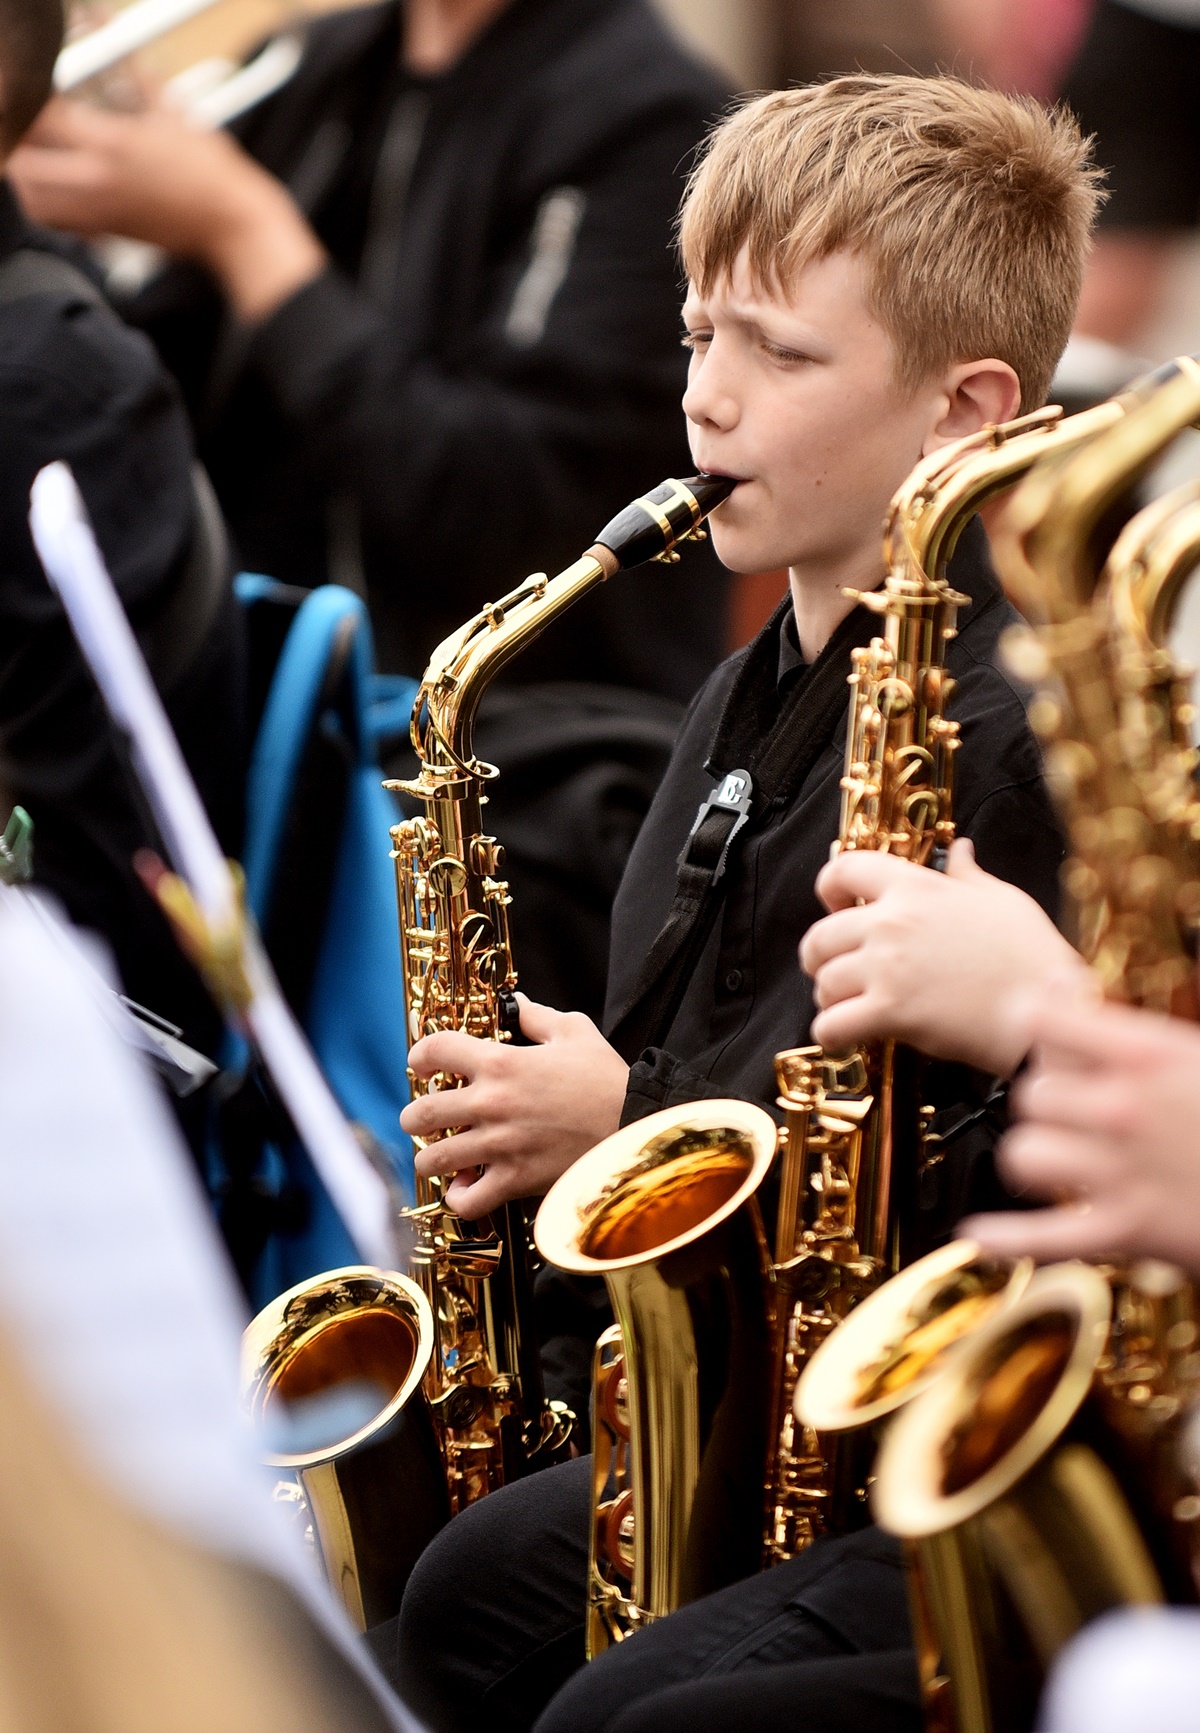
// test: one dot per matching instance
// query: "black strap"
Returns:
(761, 755)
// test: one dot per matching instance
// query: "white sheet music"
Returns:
(114, 1287)
(75, 568)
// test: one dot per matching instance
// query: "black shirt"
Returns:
(491, 367)
(76, 384)
(748, 998)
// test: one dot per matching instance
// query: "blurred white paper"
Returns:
(1129, 1672)
(114, 1287)
(75, 568)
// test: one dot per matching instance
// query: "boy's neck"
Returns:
(819, 599)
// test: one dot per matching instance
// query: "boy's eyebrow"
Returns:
(801, 338)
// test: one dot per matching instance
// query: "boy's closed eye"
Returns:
(788, 357)
(695, 339)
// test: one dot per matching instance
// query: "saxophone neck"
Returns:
(1045, 546)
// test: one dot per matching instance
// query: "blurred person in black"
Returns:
(75, 383)
(425, 314)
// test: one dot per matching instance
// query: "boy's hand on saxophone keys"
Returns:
(523, 1115)
(931, 959)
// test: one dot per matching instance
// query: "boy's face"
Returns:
(797, 397)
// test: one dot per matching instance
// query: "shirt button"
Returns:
(733, 980)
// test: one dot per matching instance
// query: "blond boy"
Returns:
(877, 266)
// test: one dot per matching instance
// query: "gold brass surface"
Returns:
(1006, 1480)
(354, 1328)
(484, 1379)
(892, 1345)
(453, 1352)
(1110, 709)
(1038, 1479)
(666, 1211)
(855, 1143)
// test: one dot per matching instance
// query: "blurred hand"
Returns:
(931, 959)
(526, 1112)
(1110, 1127)
(153, 177)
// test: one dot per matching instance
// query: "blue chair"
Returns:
(324, 690)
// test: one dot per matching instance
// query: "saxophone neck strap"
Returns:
(761, 755)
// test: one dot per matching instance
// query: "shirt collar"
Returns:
(791, 656)
(970, 570)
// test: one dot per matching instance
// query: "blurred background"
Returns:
(1129, 68)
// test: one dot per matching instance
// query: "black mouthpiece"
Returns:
(650, 527)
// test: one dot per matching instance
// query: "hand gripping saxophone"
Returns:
(483, 1379)
(856, 1140)
(1038, 1479)
(897, 795)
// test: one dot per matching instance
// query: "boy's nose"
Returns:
(708, 402)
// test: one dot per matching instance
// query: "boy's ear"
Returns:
(974, 394)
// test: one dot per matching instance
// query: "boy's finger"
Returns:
(860, 874)
(843, 978)
(832, 935)
(538, 1022)
(1071, 1231)
(1049, 1162)
(450, 1051)
(1075, 1101)
(961, 862)
(472, 1198)
(1099, 1034)
(847, 1025)
(445, 1109)
(449, 1155)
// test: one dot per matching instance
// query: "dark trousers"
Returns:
(491, 1634)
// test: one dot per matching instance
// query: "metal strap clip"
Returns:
(733, 795)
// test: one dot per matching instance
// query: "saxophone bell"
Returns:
(666, 1211)
(1029, 1503)
(357, 1340)
(892, 1345)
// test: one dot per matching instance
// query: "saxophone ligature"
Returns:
(1038, 1482)
(449, 1355)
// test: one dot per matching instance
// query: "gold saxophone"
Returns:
(667, 1524)
(1037, 1479)
(866, 1370)
(857, 1124)
(442, 1369)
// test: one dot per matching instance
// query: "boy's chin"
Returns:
(743, 552)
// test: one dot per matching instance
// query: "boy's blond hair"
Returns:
(971, 209)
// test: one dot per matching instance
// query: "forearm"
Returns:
(260, 249)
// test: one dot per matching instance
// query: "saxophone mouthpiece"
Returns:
(650, 527)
